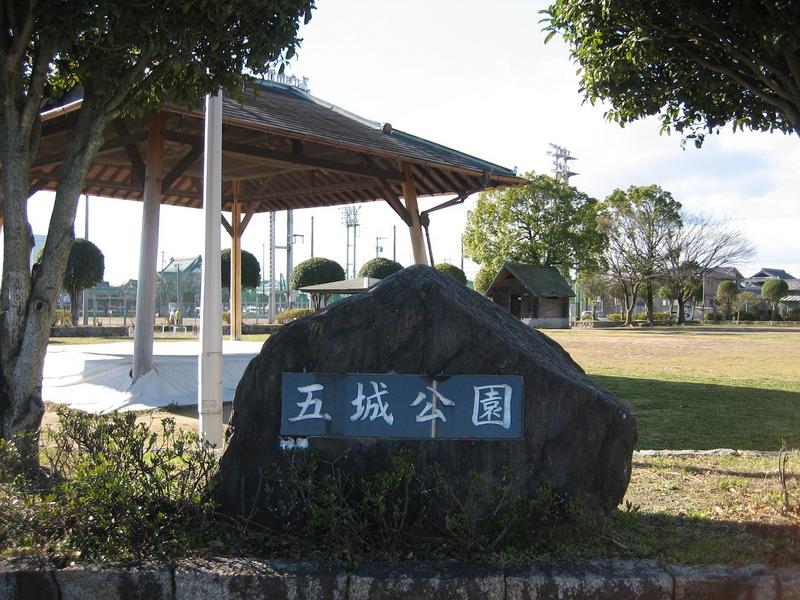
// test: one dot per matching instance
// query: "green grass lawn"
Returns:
(697, 388)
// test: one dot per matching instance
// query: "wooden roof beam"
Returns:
(288, 157)
(385, 190)
(137, 164)
(180, 167)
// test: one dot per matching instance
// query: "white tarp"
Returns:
(96, 377)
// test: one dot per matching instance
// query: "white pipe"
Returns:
(209, 373)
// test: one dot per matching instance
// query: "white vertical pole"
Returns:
(209, 373)
(272, 298)
(289, 256)
(148, 251)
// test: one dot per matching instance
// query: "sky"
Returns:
(478, 77)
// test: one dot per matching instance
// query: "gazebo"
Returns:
(281, 148)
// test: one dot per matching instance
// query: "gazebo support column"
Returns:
(235, 229)
(410, 197)
(148, 250)
(236, 265)
(209, 372)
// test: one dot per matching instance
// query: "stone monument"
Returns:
(421, 362)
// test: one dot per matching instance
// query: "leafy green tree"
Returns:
(379, 268)
(483, 279)
(85, 267)
(698, 65)
(772, 291)
(744, 301)
(315, 271)
(453, 271)
(637, 223)
(593, 284)
(545, 222)
(251, 270)
(125, 57)
(726, 297)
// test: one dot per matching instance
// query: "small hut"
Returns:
(537, 295)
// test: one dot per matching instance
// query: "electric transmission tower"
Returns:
(561, 158)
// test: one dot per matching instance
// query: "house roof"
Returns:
(346, 286)
(725, 273)
(769, 273)
(537, 279)
(282, 149)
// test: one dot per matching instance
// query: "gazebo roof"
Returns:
(286, 148)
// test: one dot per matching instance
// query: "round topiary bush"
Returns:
(453, 271)
(315, 271)
(379, 268)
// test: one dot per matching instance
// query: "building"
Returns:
(537, 295)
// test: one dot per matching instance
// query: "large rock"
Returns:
(577, 436)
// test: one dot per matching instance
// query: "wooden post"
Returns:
(236, 265)
(148, 250)
(410, 197)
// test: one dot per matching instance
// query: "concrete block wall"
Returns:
(240, 579)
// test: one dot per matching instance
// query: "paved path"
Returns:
(96, 377)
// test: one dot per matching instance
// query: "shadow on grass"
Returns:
(695, 470)
(678, 415)
(679, 539)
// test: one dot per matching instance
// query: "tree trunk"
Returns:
(648, 290)
(73, 307)
(681, 316)
(28, 300)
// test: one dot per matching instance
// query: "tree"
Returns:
(744, 300)
(545, 222)
(483, 279)
(379, 268)
(593, 284)
(125, 58)
(772, 291)
(698, 246)
(85, 268)
(315, 271)
(453, 271)
(637, 223)
(698, 65)
(726, 297)
(251, 270)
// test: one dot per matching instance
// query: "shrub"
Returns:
(226, 317)
(117, 491)
(453, 271)
(61, 317)
(379, 268)
(292, 314)
(793, 315)
(315, 271)
(746, 316)
(615, 316)
(318, 509)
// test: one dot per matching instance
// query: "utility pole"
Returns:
(272, 312)
(378, 247)
(289, 256)
(312, 236)
(394, 243)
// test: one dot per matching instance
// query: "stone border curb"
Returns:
(237, 579)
